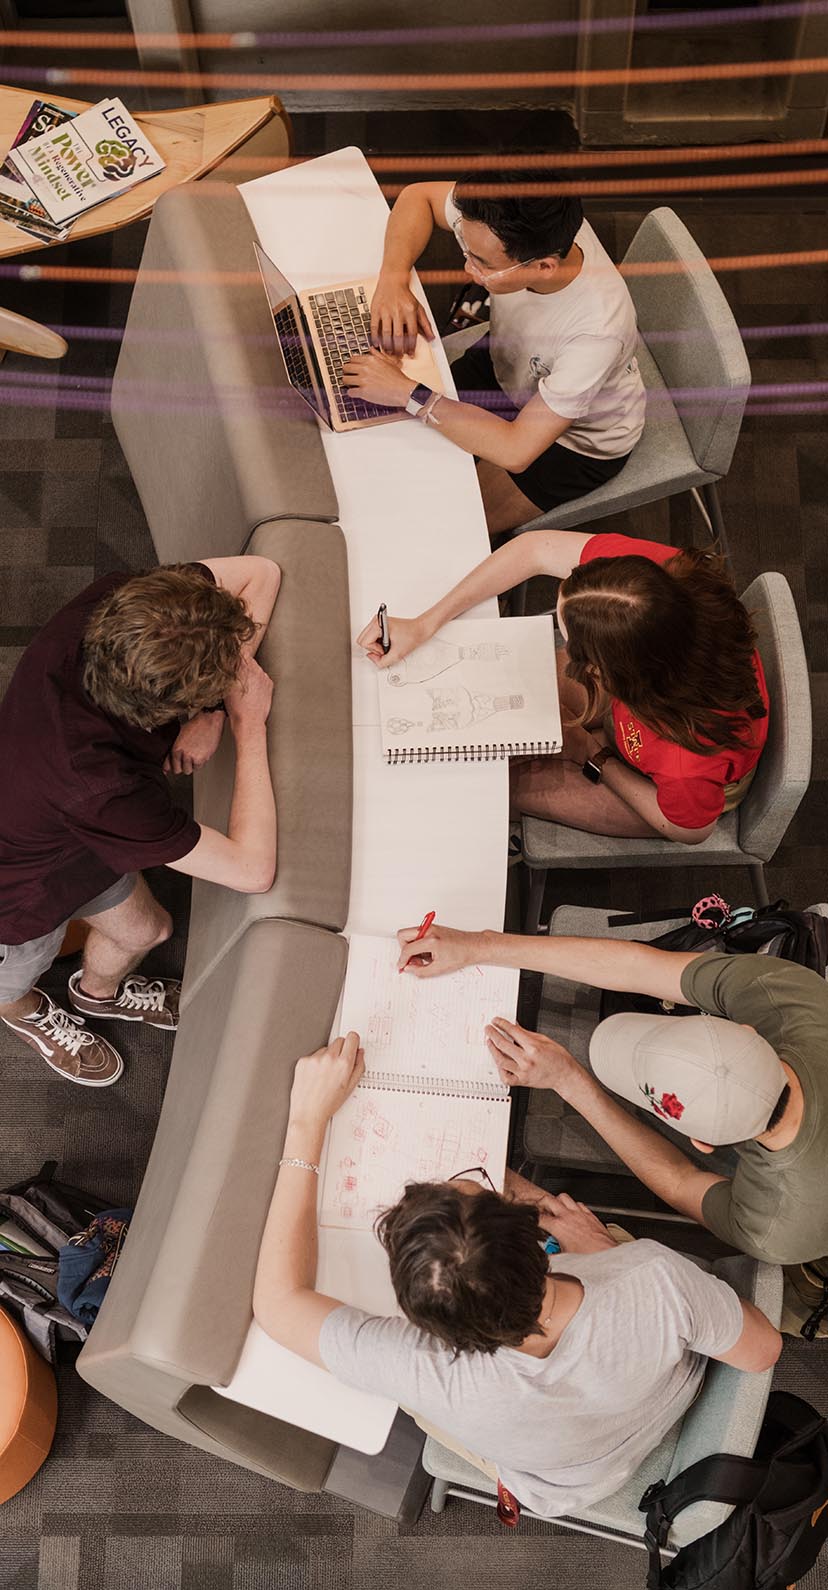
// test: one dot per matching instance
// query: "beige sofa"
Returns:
(243, 470)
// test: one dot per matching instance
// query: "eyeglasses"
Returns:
(475, 1173)
(476, 270)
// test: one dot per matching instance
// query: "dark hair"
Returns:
(468, 1269)
(779, 1108)
(164, 645)
(528, 227)
(671, 641)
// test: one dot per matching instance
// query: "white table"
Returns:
(424, 838)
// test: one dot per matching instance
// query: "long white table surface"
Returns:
(424, 838)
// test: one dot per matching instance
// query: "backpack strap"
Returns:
(719, 1478)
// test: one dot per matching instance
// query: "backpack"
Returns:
(50, 1213)
(799, 936)
(780, 1518)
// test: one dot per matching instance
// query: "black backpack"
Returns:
(799, 936)
(51, 1213)
(780, 1518)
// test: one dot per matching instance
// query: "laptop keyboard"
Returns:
(342, 320)
(291, 346)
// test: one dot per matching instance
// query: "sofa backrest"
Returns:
(216, 439)
(179, 1305)
(306, 651)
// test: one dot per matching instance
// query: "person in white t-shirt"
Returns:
(558, 1377)
(552, 401)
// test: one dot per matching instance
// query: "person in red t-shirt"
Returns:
(663, 698)
(129, 681)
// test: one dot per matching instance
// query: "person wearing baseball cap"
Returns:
(750, 1072)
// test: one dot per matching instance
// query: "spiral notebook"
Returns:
(430, 1102)
(480, 689)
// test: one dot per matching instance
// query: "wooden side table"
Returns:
(191, 141)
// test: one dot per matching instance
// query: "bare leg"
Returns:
(504, 502)
(120, 938)
(26, 1005)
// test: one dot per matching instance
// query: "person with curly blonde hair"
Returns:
(132, 680)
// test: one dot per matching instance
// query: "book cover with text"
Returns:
(100, 153)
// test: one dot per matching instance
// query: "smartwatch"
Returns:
(592, 767)
(418, 399)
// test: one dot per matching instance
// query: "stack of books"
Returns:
(62, 164)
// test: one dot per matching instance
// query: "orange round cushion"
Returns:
(28, 1408)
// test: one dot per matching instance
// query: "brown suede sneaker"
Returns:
(138, 999)
(62, 1041)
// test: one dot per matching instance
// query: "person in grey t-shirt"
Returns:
(563, 1379)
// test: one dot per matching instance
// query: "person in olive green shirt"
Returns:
(750, 1072)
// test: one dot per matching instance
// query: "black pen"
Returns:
(385, 638)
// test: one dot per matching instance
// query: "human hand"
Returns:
(248, 702)
(573, 1225)
(405, 634)
(195, 743)
(324, 1080)
(441, 950)
(377, 378)
(528, 1059)
(397, 316)
(579, 744)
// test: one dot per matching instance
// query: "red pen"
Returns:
(422, 931)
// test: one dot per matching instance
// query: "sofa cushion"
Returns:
(306, 651)
(181, 1297)
(216, 439)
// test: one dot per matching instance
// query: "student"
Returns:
(664, 702)
(562, 1374)
(555, 398)
(124, 684)
(751, 1072)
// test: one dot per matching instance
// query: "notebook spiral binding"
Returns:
(390, 1082)
(469, 753)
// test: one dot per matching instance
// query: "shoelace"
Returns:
(138, 994)
(65, 1030)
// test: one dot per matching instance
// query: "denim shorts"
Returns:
(22, 964)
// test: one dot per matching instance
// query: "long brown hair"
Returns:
(164, 645)
(671, 641)
(468, 1269)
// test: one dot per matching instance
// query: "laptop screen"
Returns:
(294, 342)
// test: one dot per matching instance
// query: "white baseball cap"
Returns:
(712, 1079)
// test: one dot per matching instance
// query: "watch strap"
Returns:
(418, 399)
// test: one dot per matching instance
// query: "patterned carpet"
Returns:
(119, 1507)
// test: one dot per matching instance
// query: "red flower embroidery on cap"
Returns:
(669, 1107)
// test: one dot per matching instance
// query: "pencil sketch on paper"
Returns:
(437, 656)
(380, 1141)
(455, 707)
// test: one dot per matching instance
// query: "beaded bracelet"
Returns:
(300, 1164)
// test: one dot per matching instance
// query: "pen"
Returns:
(385, 642)
(423, 928)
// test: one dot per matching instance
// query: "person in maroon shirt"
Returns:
(131, 680)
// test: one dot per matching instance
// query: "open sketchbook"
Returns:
(430, 1102)
(479, 689)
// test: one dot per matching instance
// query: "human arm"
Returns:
(396, 315)
(574, 1225)
(245, 857)
(619, 964)
(256, 580)
(530, 1060)
(285, 1302)
(635, 789)
(759, 1345)
(511, 444)
(553, 552)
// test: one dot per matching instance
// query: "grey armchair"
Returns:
(751, 834)
(726, 1417)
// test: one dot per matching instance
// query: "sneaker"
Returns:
(60, 1040)
(138, 999)
(805, 1300)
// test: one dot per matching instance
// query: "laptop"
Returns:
(318, 332)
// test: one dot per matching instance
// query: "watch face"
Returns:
(591, 772)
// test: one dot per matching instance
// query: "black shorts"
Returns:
(559, 474)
